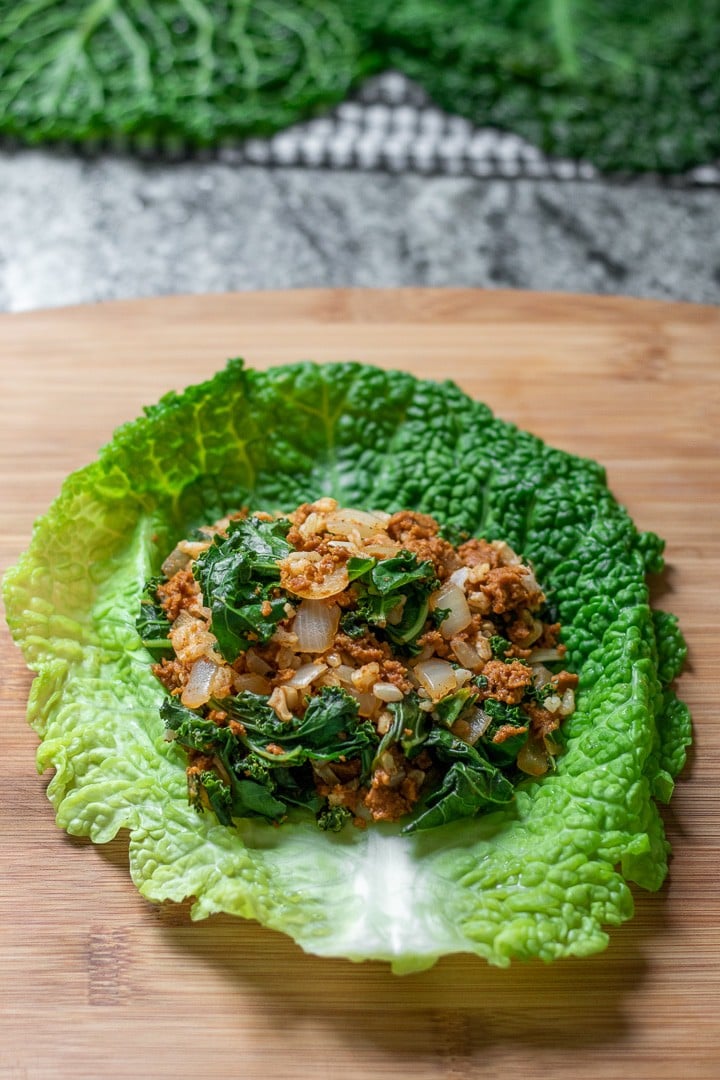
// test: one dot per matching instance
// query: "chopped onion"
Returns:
(380, 549)
(343, 522)
(367, 703)
(193, 548)
(386, 691)
(306, 675)
(437, 677)
(454, 599)
(552, 703)
(567, 704)
(256, 684)
(222, 681)
(384, 722)
(191, 639)
(176, 560)
(541, 675)
(459, 577)
(544, 656)
(256, 664)
(197, 689)
(467, 655)
(462, 675)
(324, 771)
(505, 553)
(473, 726)
(365, 677)
(533, 759)
(313, 523)
(483, 646)
(315, 625)
(344, 673)
(292, 571)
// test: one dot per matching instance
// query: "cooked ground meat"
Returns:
(565, 680)
(477, 552)
(364, 650)
(407, 525)
(172, 674)
(542, 722)
(396, 673)
(180, 593)
(437, 551)
(506, 682)
(507, 589)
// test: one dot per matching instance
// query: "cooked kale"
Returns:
(152, 623)
(238, 576)
(381, 586)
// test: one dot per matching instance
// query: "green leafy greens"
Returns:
(627, 86)
(540, 876)
(239, 574)
(382, 587)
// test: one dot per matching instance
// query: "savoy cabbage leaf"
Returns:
(627, 86)
(542, 875)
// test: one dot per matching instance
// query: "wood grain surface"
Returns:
(96, 982)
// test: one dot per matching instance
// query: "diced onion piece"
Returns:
(222, 681)
(472, 726)
(197, 690)
(193, 548)
(297, 575)
(363, 678)
(383, 549)
(281, 636)
(368, 704)
(279, 703)
(384, 722)
(533, 759)
(459, 577)
(394, 616)
(306, 675)
(176, 560)
(466, 655)
(315, 625)
(484, 648)
(535, 633)
(191, 639)
(324, 771)
(344, 522)
(544, 656)
(505, 553)
(552, 703)
(453, 599)
(255, 664)
(386, 691)
(437, 677)
(314, 523)
(344, 673)
(541, 675)
(567, 704)
(256, 684)
(462, 675)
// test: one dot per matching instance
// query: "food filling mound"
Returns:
(365, 666)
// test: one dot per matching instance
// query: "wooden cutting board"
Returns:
(98, 982)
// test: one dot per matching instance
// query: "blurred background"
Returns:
(208, 145)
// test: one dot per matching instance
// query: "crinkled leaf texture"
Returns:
(541, 879)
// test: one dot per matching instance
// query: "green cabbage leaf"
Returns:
(542, 875)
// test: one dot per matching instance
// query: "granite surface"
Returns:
(74, 230)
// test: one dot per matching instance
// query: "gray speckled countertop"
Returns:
(75, 230)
